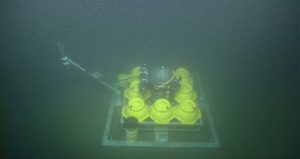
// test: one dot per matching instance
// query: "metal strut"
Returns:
(67, 62)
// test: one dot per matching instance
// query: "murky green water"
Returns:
(246, 52)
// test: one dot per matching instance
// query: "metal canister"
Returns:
(131, 135)
(131, 129)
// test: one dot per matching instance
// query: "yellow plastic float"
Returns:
(127, 78)
(187, 112)
(185, 92)
(136, 108)
(161, 111)
(133, 91)
(185, 76)
(135, 72)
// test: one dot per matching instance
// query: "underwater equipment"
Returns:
(155, 107)
(181, 120)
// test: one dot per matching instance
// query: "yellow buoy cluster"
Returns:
(161, 111)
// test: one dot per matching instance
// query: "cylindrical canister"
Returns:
(131, 135)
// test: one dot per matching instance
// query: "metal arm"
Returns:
(66, 61)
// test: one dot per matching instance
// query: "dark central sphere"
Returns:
(160, 75)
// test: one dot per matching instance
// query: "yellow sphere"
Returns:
(135, 82)
(187, 112)
(185, 92)
(184, 74)
(161, 111)
(130, 93)
(136, 71)
(136, 108)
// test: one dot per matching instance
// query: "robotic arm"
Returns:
(67, 62)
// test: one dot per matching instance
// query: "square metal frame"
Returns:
(117, 101)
